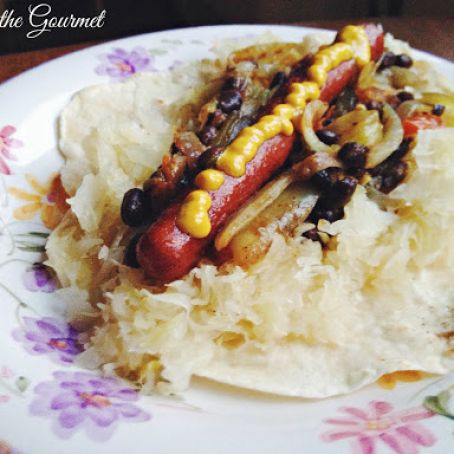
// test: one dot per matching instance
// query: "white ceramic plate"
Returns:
(48, 406)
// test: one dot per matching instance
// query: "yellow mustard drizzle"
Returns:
(243, 149)
(327, 59)
(209, 179)
(356, 37)
(193, 217)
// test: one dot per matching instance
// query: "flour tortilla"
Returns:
(301, 322)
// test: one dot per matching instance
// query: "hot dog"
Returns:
(167, 253)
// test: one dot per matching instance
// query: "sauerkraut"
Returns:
(303, 321)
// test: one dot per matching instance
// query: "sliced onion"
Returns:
(284, 215)
(366, 77)
(304, 169)
(312, 113)
(393, 134)
(362, 126)
(408, 108)
(189, 144)
(268, 194)
(372, 85)
(446, 100)
(205, 112)
(403, 77)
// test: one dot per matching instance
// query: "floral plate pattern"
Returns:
(61, 408)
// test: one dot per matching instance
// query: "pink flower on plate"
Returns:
(6, 143)
(76, 400)
(6, 372)
(399, 430)
(121, 64)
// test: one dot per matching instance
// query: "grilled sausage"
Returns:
(167, 253)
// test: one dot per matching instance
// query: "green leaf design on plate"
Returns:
(22, 384)
(37, 234)
(28, 247)
(439, 404)
(29, 244)
(171, 41)
(158, 51)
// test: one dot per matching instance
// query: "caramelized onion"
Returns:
(372, 85)
(304, 169)
(284, 215)
(444, 99)
(393, 134)
(361, 126)
(408, 108)
(189, 144)
(366, 77)
(312, 113)
(267, 195)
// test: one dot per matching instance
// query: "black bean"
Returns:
(374, 105)
(328, 214)
(353, 154)
(174, 149)
(387, 60)
(209, 157)
(130, 257)
(312, 234)
(393, 176)
(217, 118)
(334, 214)
(133, 207)
(324, 179)
(328, 121)
(330, 205)
(339, 194)
(438, 109)
(357, 172)
(405, 96)
(402, 150)
(233, 83)
(230, 100)
(403, 60)
(278, 79)
(395, 156)
(327, 136)
(207, 134)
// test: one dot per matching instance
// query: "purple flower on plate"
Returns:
(49, 336)
(76, 400)
(121, 64)
(6, 143)
(39, 278)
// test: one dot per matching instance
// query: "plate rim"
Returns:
(305, 29)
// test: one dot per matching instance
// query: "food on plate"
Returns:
(277, 218)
